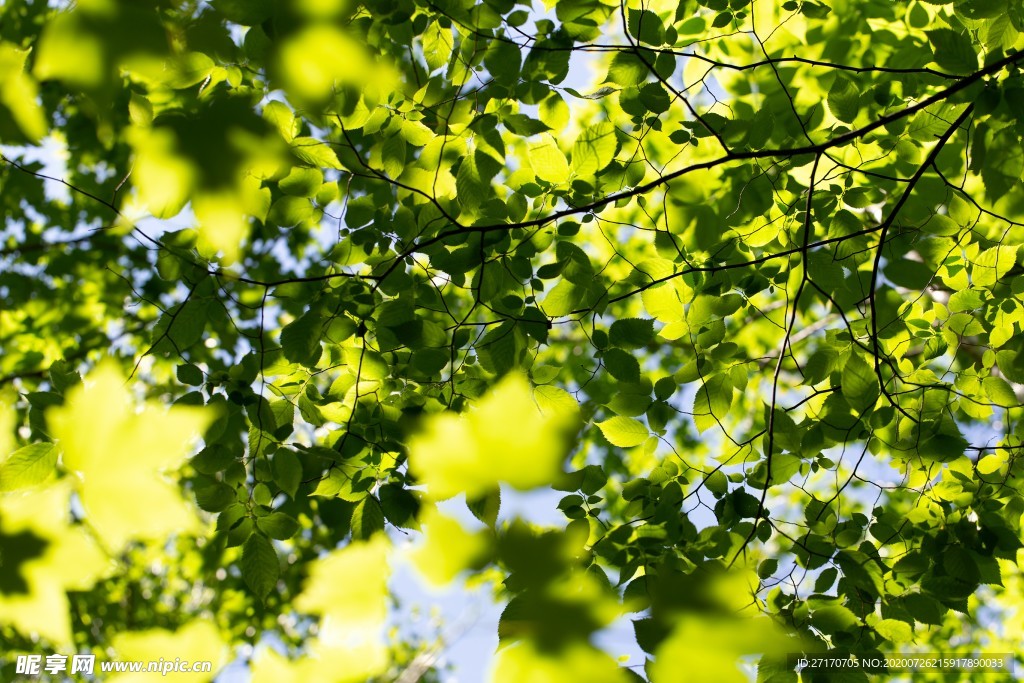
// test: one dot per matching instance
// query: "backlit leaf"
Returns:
(120, 455)
(28, 466)
(593, 150)
(624, 432)
(547, 160)
(504, 438)
(448, 549)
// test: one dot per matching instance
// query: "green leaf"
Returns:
(63, 376)
(953, 51)
(844, 99)
(289, 211)
(190, 374)
(181, 327)
(712, 401)
(369, 364)
(278, 525)
(631, 333)
(287, 471)
(767, 567)
(1011, 365)
(300, 339)
(860, 384)
(19, 94)
(627, 69)
(486, 507)
(393, 156)
(981, 9)
(717, 483)
(399, 505)
(28, 466)
(645, 26)
(503, 61)
(367, 518)
(990, 464)
(449, 549)
(213, 459)
(245, 12)
(924, 608)
(784, 466)
(505, 439)
(722, 20)
(213, 495)
(959, 564)
(999, 391)
(437, 45)
(554, 401)
(499, 349)
(834, 619)
(547, 160)
(302, 182)
(469, 183)
(565, 298)
(621, 365)
(594, 149)
(282, 117)
(260, 567)
(315, 153)
(774, 668)
(894, 630)
(624, 432)
(942, 225)
(825, 579)
(992, 265)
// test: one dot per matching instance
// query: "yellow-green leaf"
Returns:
(547, 160)
(19, 93)
(28, 466)
(121, 456)
(437, 45)
(624, 432)
(197, 641)
(578, 661)
(448, 548)
(894, 630)
(594, 149)
(991, 463)
(860, 385)
(350, 585)
(59, 557)
(504, 438)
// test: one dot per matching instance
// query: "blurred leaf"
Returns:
(504, 439)
(120, 454)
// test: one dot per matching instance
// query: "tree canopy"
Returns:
(285, 282)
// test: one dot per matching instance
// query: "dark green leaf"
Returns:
(260, 567)
(630, 333)
(860, 384)
(367, 518)
(621, 365)
(278, 525)
(953, 51)
(190, 374)
(844, 99)
(645, 26)
(300, 339)
(399, 506)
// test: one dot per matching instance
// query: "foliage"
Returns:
(752, 301)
